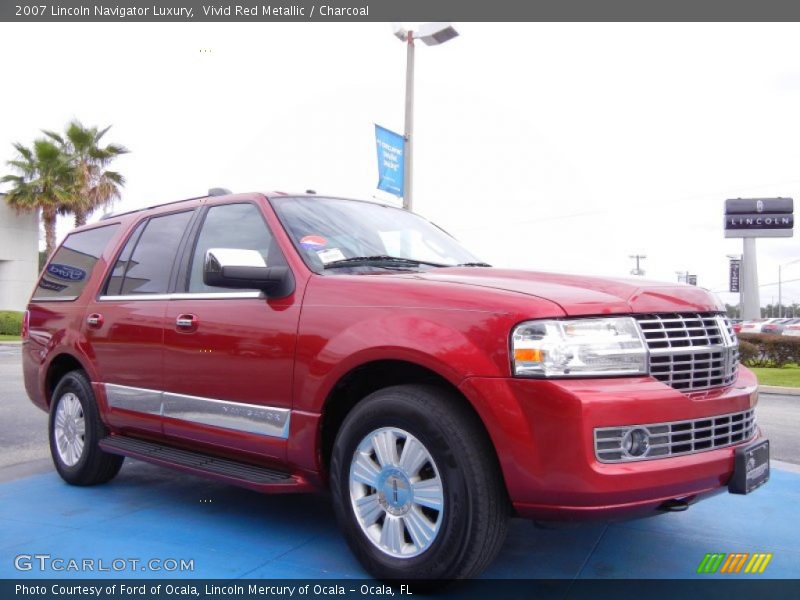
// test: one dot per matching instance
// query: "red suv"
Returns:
(296, 343)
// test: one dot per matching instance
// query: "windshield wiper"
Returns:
(366, 260)
(474, 264)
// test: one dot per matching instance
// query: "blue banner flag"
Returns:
(390, 160)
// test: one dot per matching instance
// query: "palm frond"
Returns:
(54, 136)
(99, 134)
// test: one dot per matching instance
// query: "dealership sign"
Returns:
(390, 147)
(759, 217)
(733, 278)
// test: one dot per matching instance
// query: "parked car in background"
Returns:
(754, 326)
(792, 329)
(737, 325)
(775, 326)
(794, 322)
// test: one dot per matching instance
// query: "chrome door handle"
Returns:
(94, 320)
(186, 322)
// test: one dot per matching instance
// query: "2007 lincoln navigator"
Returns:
(293, 343)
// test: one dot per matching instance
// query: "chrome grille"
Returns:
(691, 351)
(677, 437)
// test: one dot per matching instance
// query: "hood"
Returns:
(585, 295)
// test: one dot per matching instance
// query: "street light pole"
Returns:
(408, 165)
(780, 300)
(638, 270)
(780, 303)
(432, 34)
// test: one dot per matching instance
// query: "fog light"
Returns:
(636, 442)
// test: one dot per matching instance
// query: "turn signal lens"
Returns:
(528, 354)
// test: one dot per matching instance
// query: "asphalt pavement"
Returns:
(23, 427)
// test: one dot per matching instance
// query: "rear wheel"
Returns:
(75, 430)
(417, 490)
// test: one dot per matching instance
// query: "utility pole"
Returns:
(408, 178)
(638, 270)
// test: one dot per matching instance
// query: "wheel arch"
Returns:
(60, 365)
(367, 378)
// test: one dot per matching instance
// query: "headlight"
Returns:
(578, 348)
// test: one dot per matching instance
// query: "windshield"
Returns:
(335, 235)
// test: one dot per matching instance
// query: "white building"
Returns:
(19, 256)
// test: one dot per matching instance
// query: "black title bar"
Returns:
(400, 10)
(354, 589)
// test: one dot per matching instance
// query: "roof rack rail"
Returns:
(219, 191)
(135, 210)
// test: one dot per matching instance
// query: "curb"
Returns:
(785, 466)
(777, 389)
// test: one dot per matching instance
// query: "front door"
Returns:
(228, 354)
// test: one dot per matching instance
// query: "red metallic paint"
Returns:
(543, 434)
(453, 321)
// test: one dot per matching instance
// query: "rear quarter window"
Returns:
(65, 276)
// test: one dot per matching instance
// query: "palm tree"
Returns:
(94, 185)
(43, 182)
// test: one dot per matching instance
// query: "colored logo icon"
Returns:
(734, 563)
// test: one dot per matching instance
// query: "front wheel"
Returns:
(75, 429)
(416, 487)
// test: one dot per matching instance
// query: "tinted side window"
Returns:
(114, 284)
(146, 268)
(239, 226)
(71, 266)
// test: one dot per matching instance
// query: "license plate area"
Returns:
(751, 468)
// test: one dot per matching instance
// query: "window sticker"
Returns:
(66, 272)
(313, 242)
(46, 284)
(330, 255)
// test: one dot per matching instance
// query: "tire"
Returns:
(400, 534)
(77, 456)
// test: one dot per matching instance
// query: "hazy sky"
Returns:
(561, 147)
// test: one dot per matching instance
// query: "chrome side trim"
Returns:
(54, 299)
(134, 399)
(183, 296)
(215, 295)
(251, 418)
(238, 416)
(135, 297)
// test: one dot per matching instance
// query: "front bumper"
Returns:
(543, 432)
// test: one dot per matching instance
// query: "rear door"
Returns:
(229, 354)
(58, 306)
(124, 326)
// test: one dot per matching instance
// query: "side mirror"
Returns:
(246, 269)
